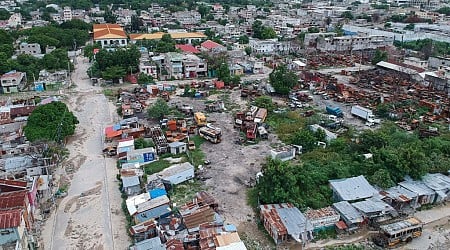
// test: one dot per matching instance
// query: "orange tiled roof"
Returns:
(108, 31)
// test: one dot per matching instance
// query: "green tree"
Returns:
(4, 14)
(159, 109)
(243, 39)
(283, 80)
(444, 10)
(223, 73)
(43, 40)
(114, 73)
(409, 26)
(379, 56)
(50, 122)
(313, 30)
(8, 49)
(145, 79)
(203, 10)
(265, 102)
(306, 139)
(248, 50)
(347, 15)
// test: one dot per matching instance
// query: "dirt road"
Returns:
(90, 217)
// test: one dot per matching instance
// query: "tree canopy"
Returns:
(379, 56)
(396, 154)
(283, 80)
(262, 32)
(159, 109)
(51, 122)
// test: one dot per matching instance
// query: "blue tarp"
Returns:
(157, 192)
(116, 127)
(350, 33)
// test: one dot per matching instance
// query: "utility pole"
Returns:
(68, 73)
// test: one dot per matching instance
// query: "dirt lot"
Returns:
(232, 167)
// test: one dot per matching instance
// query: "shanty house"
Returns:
(322, 218)
(151, 209)
(131, 185)
(125, 145)
(141, 156)
(375, 210)
(353, 218)
(144, 230)
(149, 244)
(284, 221)
(194, 215)
(177, 173)
(425, 194)
(400, 198)
(440, 184)
(352, 189)
(177, 147)
(12, 229)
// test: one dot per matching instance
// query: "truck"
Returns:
(335, 111)
(200, 119)
(365, 114)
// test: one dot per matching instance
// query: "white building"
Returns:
(269, 46)
(67, 14)
(349, 43)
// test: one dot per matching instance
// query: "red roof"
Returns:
(187, 48)
(10, 218)
(13, 183)
(210, 45)
(12, 199)
(341, 225)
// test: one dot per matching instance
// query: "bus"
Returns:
(398, 232)
(200, 119)
(210, 133)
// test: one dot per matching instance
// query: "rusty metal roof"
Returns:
(10, 218)
(194, 217)
(14, 199)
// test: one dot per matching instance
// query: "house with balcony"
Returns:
(194, 66)
(174, 65)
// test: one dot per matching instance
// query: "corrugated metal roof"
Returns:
(373, 206)
(347, 211)
(294, 221)
(353, 188)
(135, 201)
(437, 181)
(130, 181)
(399, 193)
(13, 199)
(10, 218)
(192, 218)
(286, 217)
(159, 201)
(417, 187)
(149, 244)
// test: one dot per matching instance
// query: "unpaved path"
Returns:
(90, 217)
(232, 168)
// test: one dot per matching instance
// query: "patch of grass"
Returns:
(156, 167)
(286, 124)
(109, 93)
(252, 198)
(329, 233)
(182, 193)
(197, 157)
